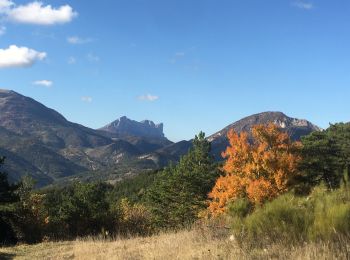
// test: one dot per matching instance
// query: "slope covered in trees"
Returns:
(7, 197)
(179, 193)
(268, 186)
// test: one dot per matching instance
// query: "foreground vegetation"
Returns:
(271, 197)
(292, 220)
(192, 244)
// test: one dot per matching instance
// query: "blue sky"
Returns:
(193, 65)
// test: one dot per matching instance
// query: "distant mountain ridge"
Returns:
(296, 128)
(126, 126)
(27, 117)
(40, 142)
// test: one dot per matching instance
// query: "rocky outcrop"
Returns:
(296, 128)
(40, 142)
(128, 127)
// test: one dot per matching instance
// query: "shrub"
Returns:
(323, 216)
(284, 219)
(240, 208)
(30, 218)
(78, 210)
(7, 198)
(133, 219)
(331, 213)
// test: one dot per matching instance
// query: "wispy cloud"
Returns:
(148, 97)
(15, 56)
(303, 5)
(177, 56)
(44, 34)
(36, 13)
(86, 99)
(78, 40)
(2, 30)
(43, 83)
(72, 60)
(92, 57)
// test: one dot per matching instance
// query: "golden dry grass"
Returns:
(192, 244)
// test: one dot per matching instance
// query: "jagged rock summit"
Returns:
(296, 128)
(40, 142)
(128, 127)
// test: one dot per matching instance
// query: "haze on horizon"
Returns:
(193, 65)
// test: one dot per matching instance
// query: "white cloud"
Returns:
(2, 30)
(86, 99)
(15, 56)
(303, 5)
(78, 40)
(43, 83)
(72, 60)
(5, 5)
(148, 97)
(37, 13)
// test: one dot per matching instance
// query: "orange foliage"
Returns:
(260, 170)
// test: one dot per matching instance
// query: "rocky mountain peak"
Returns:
(126, 126)
(6, 91)
(294, 126)
(18, 110)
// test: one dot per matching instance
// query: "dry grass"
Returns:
(192, 244)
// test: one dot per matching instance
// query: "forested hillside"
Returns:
(269, 189)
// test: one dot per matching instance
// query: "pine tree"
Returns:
(7, 197)
(179, 193)
(326, 156)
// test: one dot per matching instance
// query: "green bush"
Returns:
(78, 210)
(324, 215)
(133, 219)
(7, 198)
(331, 212)
(240, 208)
(284, 219)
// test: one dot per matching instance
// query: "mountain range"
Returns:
(39, 142)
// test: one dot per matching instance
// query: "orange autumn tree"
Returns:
(259, 169)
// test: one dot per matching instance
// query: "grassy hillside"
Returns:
(193, 244)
